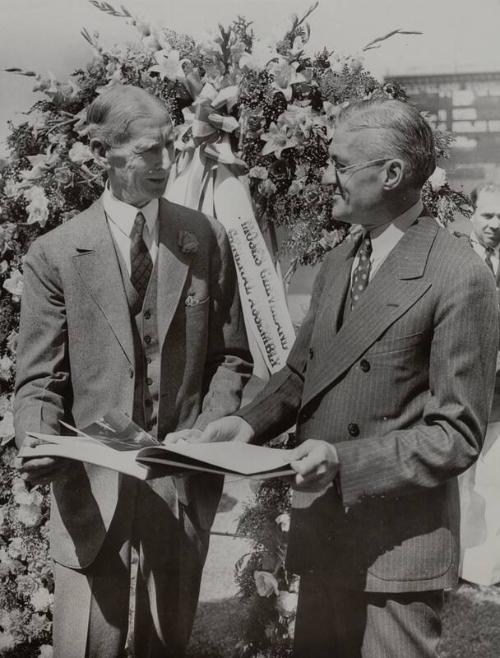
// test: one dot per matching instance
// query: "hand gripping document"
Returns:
(116, 442)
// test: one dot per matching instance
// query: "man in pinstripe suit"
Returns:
(389, 383)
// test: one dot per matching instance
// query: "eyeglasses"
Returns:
(335, 168)
(341, 169)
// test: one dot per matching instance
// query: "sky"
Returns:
(44, 35)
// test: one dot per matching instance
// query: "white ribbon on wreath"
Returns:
(209, 177)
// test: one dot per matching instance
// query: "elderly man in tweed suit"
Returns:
(389, 383)
(131, 305)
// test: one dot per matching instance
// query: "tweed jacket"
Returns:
(76, 354)
(402, 388)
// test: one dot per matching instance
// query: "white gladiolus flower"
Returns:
(46, 651)
(14, 285)
(437, 179)
(286, 603)
(283, 520)
(80, 153)
(38, 208)
(6, 364)
(265, 583)
(29, 515)
(42, 599)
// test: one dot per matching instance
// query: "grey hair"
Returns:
(400, 131)
(111, 113)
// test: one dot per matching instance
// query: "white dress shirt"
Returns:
(481, 251)
(121, 217)
(386, 236)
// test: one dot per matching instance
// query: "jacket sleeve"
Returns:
(42, 380)
(229, 363)
(448, 438)
(274, 410)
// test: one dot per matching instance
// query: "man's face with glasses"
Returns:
(356, 180)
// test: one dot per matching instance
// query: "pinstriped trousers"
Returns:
(336, 623)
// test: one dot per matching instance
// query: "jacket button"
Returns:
(131, 373)
(353, 429)
(147, 315)
(311, 353)
(147, 339)
(364, 365)
(149, 381)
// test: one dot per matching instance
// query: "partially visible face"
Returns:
(486, 218)
(138, 168)
(358, 193)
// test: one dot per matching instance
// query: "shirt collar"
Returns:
(482, 249)
(123, 214)
(385, 237)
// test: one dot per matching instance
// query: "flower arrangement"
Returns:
(264, 110)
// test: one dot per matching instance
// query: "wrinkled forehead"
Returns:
(488, 202)
(151, 130)
(350, 143)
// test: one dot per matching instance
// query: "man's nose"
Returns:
(495, 222)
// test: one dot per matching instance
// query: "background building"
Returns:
(467, 104)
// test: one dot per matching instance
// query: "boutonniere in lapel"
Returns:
(188, 242)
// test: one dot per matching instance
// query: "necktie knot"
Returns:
(138, 227)
(487, 259)
(141, 264)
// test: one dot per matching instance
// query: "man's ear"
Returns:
(394, 174)
(99, 151)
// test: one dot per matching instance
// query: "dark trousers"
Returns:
(92, 615)
(337, 623)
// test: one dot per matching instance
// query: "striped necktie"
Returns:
(487, 259)
(361, 274)
(141, 264)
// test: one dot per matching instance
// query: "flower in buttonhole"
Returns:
(42, 600)
(46, 651)
(80, 153)
(295, 188)
(6, 364)
(277, 140)
(283, 521)
(265, 583)
(286, 603)
(14, 285)
(38, 205)
(258, 172)
(437, 179)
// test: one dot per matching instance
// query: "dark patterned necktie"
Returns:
(141, 264)
(487, 258)
(361, 274)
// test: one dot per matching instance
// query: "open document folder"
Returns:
(118, 443)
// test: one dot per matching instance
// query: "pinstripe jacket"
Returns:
(402, 388)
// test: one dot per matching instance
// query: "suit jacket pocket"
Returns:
(389, 344)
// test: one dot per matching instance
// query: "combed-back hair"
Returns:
(485, 187)
(399, 131)
(111, 113)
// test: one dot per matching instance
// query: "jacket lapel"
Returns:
(97, 265)
(394, 289)
(333, 300)
(173, 266)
